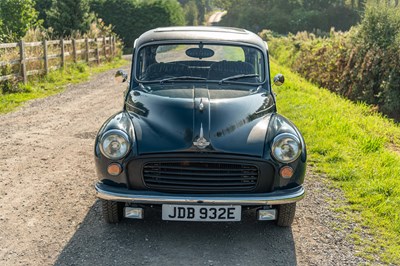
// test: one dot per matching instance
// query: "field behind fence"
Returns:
(20, 60)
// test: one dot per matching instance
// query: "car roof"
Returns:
(201, 33)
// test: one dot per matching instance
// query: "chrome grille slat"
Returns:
(199, 168)
(183, 173)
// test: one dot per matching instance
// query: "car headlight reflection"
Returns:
(286, 148)
(114, 144)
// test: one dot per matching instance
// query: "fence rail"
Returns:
(80, 50)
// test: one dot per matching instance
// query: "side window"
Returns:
(255, 58)
(140, 65)
(144, 61)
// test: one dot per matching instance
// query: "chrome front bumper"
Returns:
(152, 197)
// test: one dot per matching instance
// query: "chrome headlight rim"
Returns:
(119, 133)
(280, 137)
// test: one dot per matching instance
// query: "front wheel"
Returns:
(286, 214)
(112, 211)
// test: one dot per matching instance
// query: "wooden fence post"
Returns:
(45, 57)
(104, 47)
(113, 38)
(111, 47)
(87, 49)
(97, 51)
(62, 53)
(74, 50)
(23, 62)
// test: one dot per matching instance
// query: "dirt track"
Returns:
(49, 214)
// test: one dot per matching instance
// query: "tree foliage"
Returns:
(16, 17)
(42, 6)
(196, 10)
(131, 18)
(69, 16)
(285, 16)
(380, 27)
(191, 13)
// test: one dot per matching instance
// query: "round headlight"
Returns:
(114, 144)
(286, 148)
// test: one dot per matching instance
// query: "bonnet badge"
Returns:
(201, 105)
(201, 142)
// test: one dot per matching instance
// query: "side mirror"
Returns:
(279, 79)
(121, 76)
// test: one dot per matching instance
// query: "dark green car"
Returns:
(199, 136)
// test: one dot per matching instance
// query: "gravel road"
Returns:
(216, 17)
(49, 214)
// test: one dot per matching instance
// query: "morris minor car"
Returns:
(199, 136)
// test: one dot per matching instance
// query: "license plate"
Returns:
(201, 213)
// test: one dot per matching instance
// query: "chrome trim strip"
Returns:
(151, 197)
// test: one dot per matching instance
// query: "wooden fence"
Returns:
(93, 50)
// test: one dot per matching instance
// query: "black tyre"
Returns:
(112, 211)
(286, 214)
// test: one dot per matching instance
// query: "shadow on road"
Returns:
(156, 242)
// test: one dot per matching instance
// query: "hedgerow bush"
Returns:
(362, 64)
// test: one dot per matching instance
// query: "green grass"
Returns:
(53, 83)
(359, 151)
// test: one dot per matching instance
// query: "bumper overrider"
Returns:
(278, 197)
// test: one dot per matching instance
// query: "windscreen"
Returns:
(201, 62)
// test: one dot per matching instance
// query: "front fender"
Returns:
(279, 125)
(120, 121)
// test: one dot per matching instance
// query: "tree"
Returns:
(42, 6)
(195, 10)
(2, 35)
(16, 17)
(69, 16)
(285, 16)
(225, 4)
(202, 9)
(131, 17)
(191, 13)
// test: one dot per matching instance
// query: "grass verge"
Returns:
(55, 82)
(359, 150)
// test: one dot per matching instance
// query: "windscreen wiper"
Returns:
(181, 78)
(145, 89)
(240, 76)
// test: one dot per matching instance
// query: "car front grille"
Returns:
(200, 176)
